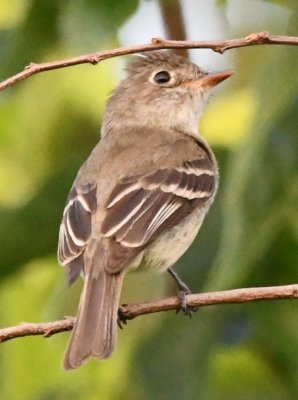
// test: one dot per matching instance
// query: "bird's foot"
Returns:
(184, 307)
(183, 291)
(122, 318)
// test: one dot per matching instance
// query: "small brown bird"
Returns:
(141, 197)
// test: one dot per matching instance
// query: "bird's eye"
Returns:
(162, 77)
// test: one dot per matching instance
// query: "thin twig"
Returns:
(219, 46)
(130, 311)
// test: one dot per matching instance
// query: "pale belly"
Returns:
(166, 250)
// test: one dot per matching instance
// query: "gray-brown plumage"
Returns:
(140, 198)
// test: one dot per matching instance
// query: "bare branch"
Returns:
(45, 329)
(130, 311)
(174, 22)
(219, 46)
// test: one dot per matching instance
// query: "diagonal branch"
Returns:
(219, 46)
(130, 311)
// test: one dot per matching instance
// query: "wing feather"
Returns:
(141, 207)
(138, 209)
(75, 229)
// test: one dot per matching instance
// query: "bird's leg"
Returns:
(183, 291)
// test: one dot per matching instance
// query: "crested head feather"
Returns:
(160, 58)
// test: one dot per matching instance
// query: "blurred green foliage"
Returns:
(49, 124)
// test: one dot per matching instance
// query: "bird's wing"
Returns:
(141, 207)
(75, 228)
(138, 210)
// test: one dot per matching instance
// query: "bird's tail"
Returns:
(95, 331)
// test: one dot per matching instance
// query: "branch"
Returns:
(130, 311)
(173, 22)
(219, 46)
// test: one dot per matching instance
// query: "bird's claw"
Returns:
(184, 307)
(122, 318)
(183, 291)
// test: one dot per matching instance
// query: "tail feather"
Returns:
(95, 331)
(105, 339)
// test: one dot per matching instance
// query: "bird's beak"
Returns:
(210, 80)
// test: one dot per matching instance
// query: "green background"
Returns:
(48, 125)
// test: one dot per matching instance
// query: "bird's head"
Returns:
(162, 89)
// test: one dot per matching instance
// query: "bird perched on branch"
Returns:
(141, 196)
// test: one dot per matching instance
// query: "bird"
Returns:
(140, 198)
